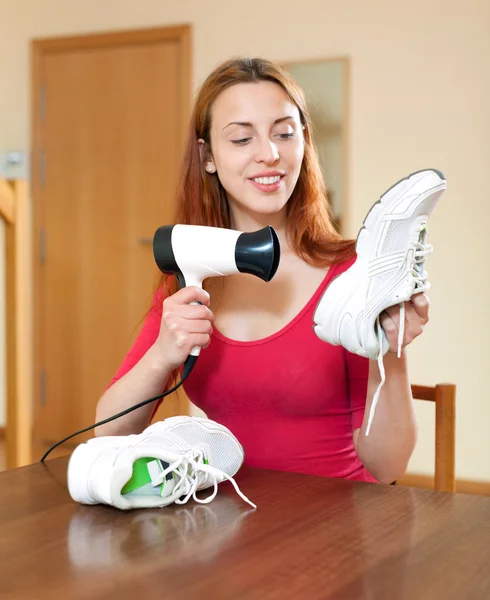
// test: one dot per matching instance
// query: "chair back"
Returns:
(444, 397)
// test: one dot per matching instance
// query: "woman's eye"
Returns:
(241, 141)
(286, 136)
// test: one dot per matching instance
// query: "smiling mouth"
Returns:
(267, 180)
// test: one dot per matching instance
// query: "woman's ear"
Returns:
(206, 156)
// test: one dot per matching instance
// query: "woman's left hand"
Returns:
(416, 317)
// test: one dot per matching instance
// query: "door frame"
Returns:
(40, 48)
(15, 213)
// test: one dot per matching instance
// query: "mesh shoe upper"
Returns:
(391, 250)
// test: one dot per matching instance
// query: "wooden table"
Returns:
(310, 538)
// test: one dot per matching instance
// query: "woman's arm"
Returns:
(146, 379)
(385, 452)
(168, 335)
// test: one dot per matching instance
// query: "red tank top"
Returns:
(291, 399)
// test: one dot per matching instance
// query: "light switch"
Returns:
(14, 164)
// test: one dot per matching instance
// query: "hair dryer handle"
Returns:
(190, 361)
(195, 351)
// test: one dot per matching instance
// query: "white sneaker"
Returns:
(390, 268)
(168, 462)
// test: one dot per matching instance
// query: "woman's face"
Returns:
(257, 148)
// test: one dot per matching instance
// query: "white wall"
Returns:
(420, 98)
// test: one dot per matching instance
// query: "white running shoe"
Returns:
(168, 462)
(390, 268)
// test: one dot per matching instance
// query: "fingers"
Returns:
(390, 319)
(190, 294)
(421, 304)
(187, 341)
(413, 326)
(191, 325)
(185, 325)
(191, 312)
(179, 305)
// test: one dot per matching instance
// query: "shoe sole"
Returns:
(364, 249)
(376, 212)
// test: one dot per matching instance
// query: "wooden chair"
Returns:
(444, 396)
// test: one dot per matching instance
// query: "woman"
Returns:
(294, 402)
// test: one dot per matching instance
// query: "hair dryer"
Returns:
(194, 252)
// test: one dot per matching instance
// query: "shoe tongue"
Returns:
(147, 479)
(419, 267)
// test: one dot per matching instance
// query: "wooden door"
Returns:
(110, 118)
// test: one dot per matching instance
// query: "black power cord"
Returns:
(188, 366)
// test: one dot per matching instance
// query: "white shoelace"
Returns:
(419, 276)
(192, 472)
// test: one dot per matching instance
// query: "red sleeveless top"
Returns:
(291, 399)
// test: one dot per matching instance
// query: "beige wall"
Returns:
(420, 98)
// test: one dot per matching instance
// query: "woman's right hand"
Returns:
(184, 325)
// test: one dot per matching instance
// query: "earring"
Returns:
(209, 169)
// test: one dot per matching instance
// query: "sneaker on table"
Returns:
(168, 462)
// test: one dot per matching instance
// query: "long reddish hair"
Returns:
(201, 200)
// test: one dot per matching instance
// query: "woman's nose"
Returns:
(267, 152)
